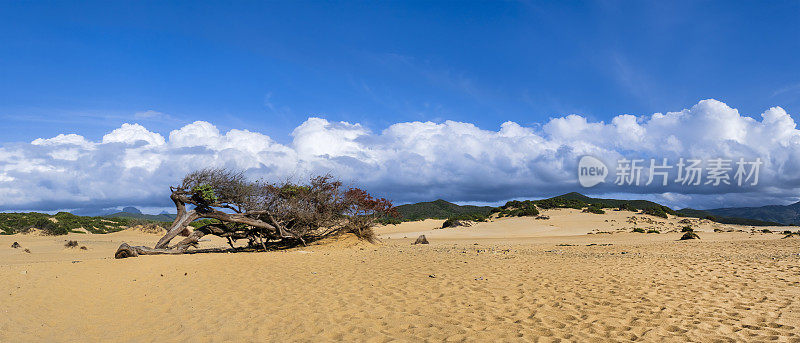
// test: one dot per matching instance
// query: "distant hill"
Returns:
(759, 216)
(164, 217)
(438, 209)
(131, 209)
(784, 214)
(688, 212)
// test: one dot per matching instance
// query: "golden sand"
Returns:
(516, 279)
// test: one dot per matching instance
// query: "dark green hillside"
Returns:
(688, 212)
(58, 224)
(579, 199)
(438, 209)
(788, 214)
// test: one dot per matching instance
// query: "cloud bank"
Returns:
(412, 161)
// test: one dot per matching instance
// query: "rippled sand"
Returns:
(464, 286)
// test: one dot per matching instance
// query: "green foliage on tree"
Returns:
(205, 193)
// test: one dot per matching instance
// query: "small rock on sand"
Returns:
(421, 240)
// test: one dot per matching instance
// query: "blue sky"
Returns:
(267, 67)
(89, 67)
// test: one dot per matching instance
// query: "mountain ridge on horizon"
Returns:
(442, 209)
(784, 214)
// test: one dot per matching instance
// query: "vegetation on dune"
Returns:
(517, 208)
(594, 208)
(688, 212)
(441, 209)
(578, 201)
(660, 211)
(789, 234)
(59, 224)
(581, 202)
(689, 235)
(560, 202)
(438, 209)
(464, 220)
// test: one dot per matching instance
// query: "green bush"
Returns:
(638, 229)
(518, 209)
(655, 211)
(687, 228)
(594, 209)
(50, 228)
(389, 221)
(689, 235)
(526, 212)
(560, 203)
(205, 193)
(626, 207)
(653, 231)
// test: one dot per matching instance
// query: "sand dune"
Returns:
(562, 223)
(510, 280)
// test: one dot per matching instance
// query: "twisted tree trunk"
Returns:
(285, 214)
(181, 224)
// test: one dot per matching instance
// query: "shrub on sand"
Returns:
(594, 209)
(655, 211)
(689, 235)
(453, 222)
(50, 228)
(71, 244)
(638, 230)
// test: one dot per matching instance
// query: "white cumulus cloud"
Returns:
(410, 161)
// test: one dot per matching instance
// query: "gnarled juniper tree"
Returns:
(264, 213)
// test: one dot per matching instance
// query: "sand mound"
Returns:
(152, 229)
(559, 222)
(33, 232)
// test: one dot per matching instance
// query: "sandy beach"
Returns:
(511, 279)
